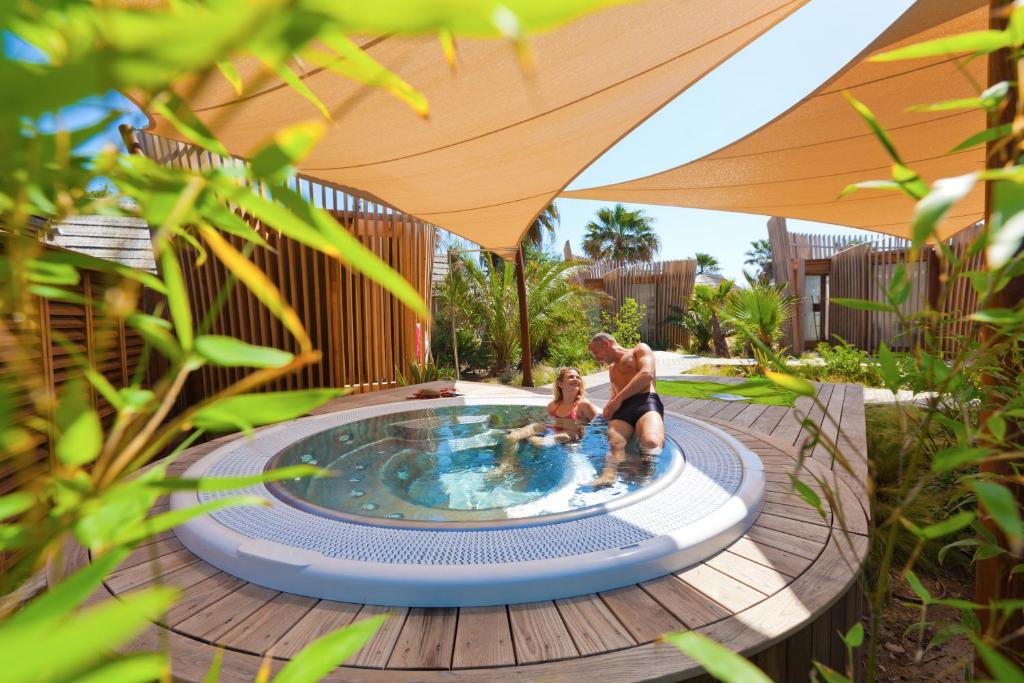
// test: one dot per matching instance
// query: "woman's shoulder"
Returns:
(589, 407)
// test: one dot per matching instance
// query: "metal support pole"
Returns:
(524, 322)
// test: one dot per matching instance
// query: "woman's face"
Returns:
(570, 380)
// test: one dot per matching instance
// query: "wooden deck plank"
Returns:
(768, 420)
(592, 626)
(426, 640)
(150, 552)
(762, 578)
(794, 526)
(723, 589)
(324, 617)
(201, 594)
(783, 541)
(642, 615)
(816, 415)
(216, 619)
(147, 572)
(377, 651)
(687, 604)
(830, 427)
(780, 560)
(483, 638)
(539, 634)
(804, 514)
(261, 629)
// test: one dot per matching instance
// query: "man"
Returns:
(634, 408)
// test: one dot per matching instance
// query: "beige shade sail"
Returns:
(500, 143)
(797, 165)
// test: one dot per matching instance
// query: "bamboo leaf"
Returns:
(855, 636)
(934, 207)
(207, 484)
(874, 125)
(168, 520)
(889, 368)
(1000, 504)
(178, 114)
(298, 85)
(830, 675)
(80, 434)
(918, 588)
(983, 137)
(719, 661)
(318, 658)
(981, 42)
(231, 352)
(275, 161)
(258, 283)
(177, 297)
(948, 526)
(808, 494)
(1004, 670)
(870, 185)
(795, 384)
(137, 668)
(990, 99)
(252, 410)
(862, 304)
(231, 75)
(16, 503)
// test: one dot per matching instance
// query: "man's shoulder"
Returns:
(642, 348)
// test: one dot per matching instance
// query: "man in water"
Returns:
(634, 408)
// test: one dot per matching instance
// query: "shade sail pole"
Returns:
(524, 321)
(993, 579)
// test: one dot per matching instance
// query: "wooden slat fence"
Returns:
(364, 333)
(863, 269)
(659, 286)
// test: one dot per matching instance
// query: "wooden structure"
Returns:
(780, 594)
(52, 336)
(365, 334)
(660, 286)
(817, 268)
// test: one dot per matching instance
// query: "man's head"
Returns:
(603, 347)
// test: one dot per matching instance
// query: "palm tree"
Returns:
(544, 224)
(760, 255)
(759, 313)
(706, 263)
(711, 301)
(621, 236)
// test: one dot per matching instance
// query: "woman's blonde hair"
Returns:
(557, 390)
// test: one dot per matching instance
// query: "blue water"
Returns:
(457, 464)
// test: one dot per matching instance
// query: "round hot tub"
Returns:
(470, 502)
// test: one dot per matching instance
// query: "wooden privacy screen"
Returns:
(363, 332)
(51, 335)
(659, 286)
(863, 269)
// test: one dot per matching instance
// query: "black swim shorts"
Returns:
(638, 405)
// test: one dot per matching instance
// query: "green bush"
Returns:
(842, 363)
(625, 325)
(422, 373)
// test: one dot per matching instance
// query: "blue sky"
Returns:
(752, 88)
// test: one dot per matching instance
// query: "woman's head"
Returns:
(567, 380)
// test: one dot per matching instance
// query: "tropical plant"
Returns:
(96, 493)
(706, 263)
(421, 373)
(970, 433)
(456, 312)
(709, 303)
(759, 313)
(545, 223)
(696, 320)
(760, 255)
(625, 324)
(621, 236)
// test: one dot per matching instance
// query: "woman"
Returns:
(569, 409)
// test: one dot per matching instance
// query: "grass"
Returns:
(719, 370)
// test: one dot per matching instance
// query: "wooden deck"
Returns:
(780, 593)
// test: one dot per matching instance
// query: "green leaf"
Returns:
(998, 316)
(934, 207)
(80, 434)
(36, 652)
(990, 99)
(795, 384)
(252, 410)
(981, 42)
(996, 425)
(168, 520)
(909, 181)
(875, 126)
(50, 273)
(719, 661)
(962, 543)
(84, 262)
(1000, 504)
(15, 503)
(298, 85)
(854, 638)
(889, 368)
(870, 185)
(318, 658)
(862, 304)
(232, 483)
(808, 494)
(213, 674)
(918, 588)
(137, 668)
(177, 297)
(231, 352)
(1007, 229)
(1004, 670)
(67, 594)
(178, 114)
(231, 74)
(948, 526)
(830, 675)
(985, 136)
(275, 161)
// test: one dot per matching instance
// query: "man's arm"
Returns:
(641, 382)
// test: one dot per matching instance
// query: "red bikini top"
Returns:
(553, 412)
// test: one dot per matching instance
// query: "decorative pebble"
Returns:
(355, 479)
(357, 493)
(307, 458)
(360, 467)
(370, 506)
(395, 515)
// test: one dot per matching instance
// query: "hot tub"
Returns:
(436, 506)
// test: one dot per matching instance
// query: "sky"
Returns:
(767, 78)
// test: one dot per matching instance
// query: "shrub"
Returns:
(842, 363)
(625, 325)
(420, 374)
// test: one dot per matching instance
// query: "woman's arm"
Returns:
(587, 410)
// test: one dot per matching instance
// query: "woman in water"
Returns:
(569, 409)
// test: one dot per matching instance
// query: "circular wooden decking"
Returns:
(781, 593)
